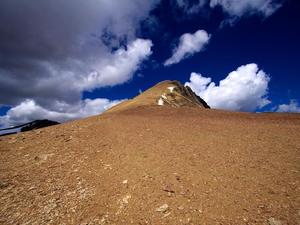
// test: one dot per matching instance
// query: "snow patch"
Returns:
(160, 101)
(171, 89)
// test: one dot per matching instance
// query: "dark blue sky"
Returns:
(72, 59)
(272, 43)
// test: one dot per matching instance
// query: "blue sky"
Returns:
(77, 59)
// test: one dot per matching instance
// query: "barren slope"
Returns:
(171, 93)
(154, 165)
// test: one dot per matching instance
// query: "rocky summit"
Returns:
(160, 158)
(165, 93)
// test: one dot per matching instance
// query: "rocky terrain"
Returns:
(148, 163)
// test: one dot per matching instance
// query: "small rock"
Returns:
(126, 198)
(167, 214)
(107, 166)
(162, 208)
(273, 221)
(125, 181)
(168, 189)
(181, 208)
(43, 157)
(69, 138)
(32, 188)
(3, 185)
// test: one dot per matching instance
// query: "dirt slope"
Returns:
(154, 165)
(171, 93)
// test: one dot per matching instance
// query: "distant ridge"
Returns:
(37, 124)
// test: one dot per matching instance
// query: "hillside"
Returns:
(171, 93)
(145, 163)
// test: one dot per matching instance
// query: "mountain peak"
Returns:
(165, 93)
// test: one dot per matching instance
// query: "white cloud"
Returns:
(244, 89)
(59, 93)
(52, 63)
(239, 8)
(234, 9)
(189, 44)
(29, 110)
(293, 106)
(120, 67)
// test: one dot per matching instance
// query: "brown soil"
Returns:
(154, 165)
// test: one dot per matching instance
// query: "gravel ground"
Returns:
(154, 165)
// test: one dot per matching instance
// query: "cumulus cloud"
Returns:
(241, 8)
(293, 107)
(50, 52)
(46, 47)
(29, 110)
(65, 83)
(120, 67)
(189, 44)
(236, 9)
(244, 89)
